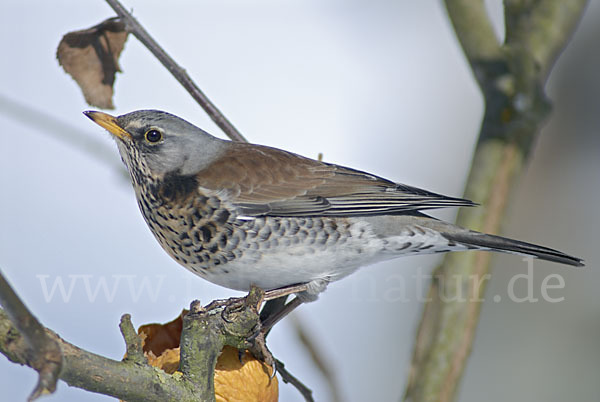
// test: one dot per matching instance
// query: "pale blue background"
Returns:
(380, 86)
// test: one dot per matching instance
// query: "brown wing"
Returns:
(267, 181)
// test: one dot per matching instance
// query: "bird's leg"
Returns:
(272, 307)
(286, 291)
(270, 320)
(235, 303)
(276, 308)
(269, 295)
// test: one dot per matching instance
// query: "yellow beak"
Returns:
(109, 123)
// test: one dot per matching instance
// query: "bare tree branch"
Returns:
(544, 29)
(205, 332)
(203, 336)
(178, 72)
(468, 16)
(40, 351)
(86, 370)
(512, 81)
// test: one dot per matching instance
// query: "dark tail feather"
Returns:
(498, 243)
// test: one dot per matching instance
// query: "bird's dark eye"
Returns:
(153, 136)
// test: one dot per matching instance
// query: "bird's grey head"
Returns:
(160, 142)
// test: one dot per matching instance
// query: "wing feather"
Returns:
(264, 181)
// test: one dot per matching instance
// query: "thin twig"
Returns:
(178, 72)
(133, 342)
(288, 378)
(43, 353)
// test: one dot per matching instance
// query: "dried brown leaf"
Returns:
(159, 337)
(91, 57)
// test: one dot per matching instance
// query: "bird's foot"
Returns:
(260, 350)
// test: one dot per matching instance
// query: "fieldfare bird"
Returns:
(240, 214)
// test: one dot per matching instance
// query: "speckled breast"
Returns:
(206, 236)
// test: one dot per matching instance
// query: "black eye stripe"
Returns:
(153, 136)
